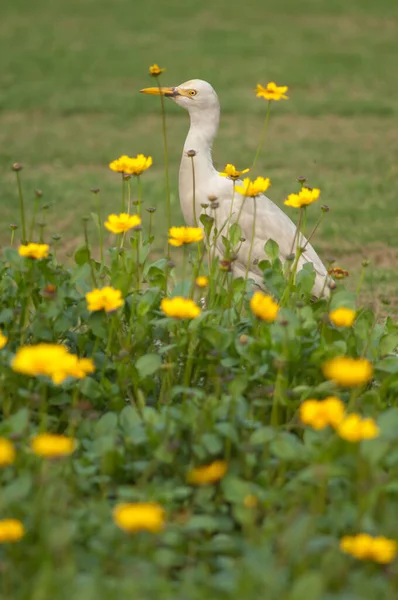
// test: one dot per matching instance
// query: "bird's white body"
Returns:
(270, 222)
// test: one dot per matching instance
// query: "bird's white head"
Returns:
(196, 96)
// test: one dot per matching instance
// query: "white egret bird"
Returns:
(201, 101)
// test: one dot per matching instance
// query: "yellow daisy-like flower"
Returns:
(264, 307)
(231, 172)
(342, 317)
(52, 445)
(184, 235)
(253, 188)
(130, 165)
(365, 547)
(180, 308)
(7, 452)
(305, 197)
(338, 273)
(139, 516)
(51, 360)
(122, 223)
(208, 474)
(354, 429)
(321, 413)
(11, 530)
(106, 298)
(120, 165)
(272, 91)
(3, 340)
(36, 251)
(155, 70)
(202, 281)
(347, 371)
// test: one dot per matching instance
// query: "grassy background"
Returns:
(69, 103)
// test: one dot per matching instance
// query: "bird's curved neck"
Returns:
(203, 129)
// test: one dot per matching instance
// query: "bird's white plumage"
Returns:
(271, 222)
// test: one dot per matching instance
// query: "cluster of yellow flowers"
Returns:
(122, 223)
(264, 307)
(106, 298)
(51, 360)
(254, 188)
(365, 547)
(184, 235)
(131, 166)
(342, 317)
(36, 251)
(347, 371)
(354, 428)
(305, 197)
(180, 308)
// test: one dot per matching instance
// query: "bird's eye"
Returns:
(192, 92)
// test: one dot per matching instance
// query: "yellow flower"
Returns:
(338, 273)
(36, 251)
(342, 317)
(122, 223)
(52, 445)
(305, 197)
(139, 516)
(365, 547)
(253, 188)
(7, 452)
(155, 70)
(321, 413)
(231, 172)
(348, 372)
(208, 474)
(106, 298)
(51, 360)
(202, 281)
(180, 308)
(131, 166)
(11, 530)
(3, 340)
(272, 91)
(354, 429)
(264, 307)
(184, 235)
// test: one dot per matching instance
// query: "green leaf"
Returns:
(388, 364)
(82, 255)
(310, 586)
(148, 364)
(271, 249)
(17, 490)
(235, 233)
(207, 223)
(261, 436)
(96, 220)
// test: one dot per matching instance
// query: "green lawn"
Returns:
(69, 103)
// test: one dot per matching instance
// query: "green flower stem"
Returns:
(249, 258)
(195, 219)
(129, 196)
(166, 164)
(139, 196)
(33, 221)
(232, 205)
(313, 231)
(12, 237)
(90, 260)
(101, 233)
(21, 208)
(361, 278)
(262, 137)
(122, 210)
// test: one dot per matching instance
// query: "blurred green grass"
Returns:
(69, 103)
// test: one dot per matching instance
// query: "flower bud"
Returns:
(301, 179)
(95, 190)
(39, 193)
(150, 209)
(191, 153)
(16, 167)
(325, 208)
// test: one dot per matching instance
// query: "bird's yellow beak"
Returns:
(170, 92)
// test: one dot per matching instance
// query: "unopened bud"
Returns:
(16, 167)
(243, 339)
(204, 205)
(13, 226)
(95, 190)
(56, 237)
(39, 193)
(325, 208)
(126, 176)
(301, 179)
(191, 153)
(365, 263)
(332, 285)
(171, 264)
(150, 209)
(212, 198)
(290, 257)
(214, 205)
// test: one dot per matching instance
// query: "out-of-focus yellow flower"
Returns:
(106, 298)
(264, 307)
(231, 172)
(272, 91)
(51, 360)
(250, 501)
(131, 165)
(202, 281)
(321, 413)
(36, 251)
(347, 371)
(338, 273)
(7, 452)
(52, 445)
(365, 547)
(184, 235)
(354, 429)
(342, 317)
(139, 516)
(208, 474)
(155, 70)
(305, 197)
(253, 188)
(122, 223)
(11, 530)
(3, 340)
(180, 308)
